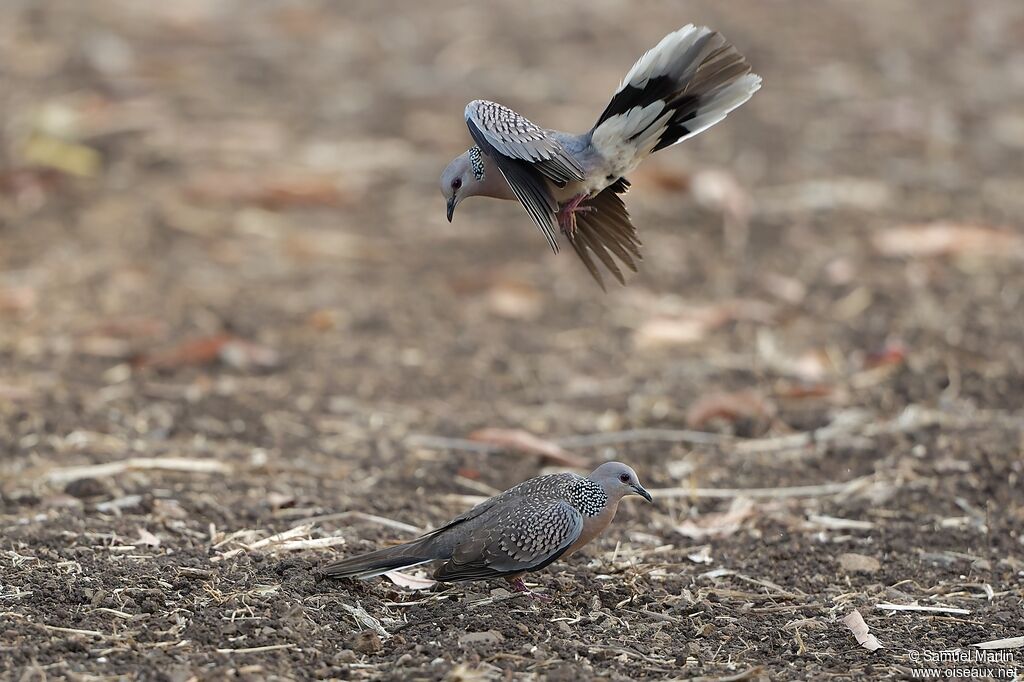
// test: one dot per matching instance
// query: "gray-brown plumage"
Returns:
(523, 529)
(684, 85)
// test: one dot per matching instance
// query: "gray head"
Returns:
(464, 177)
(618, 480)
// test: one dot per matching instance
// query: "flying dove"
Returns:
(522, 529)
(684, 85)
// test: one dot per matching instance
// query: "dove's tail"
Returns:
(383, 560)
(685, 84)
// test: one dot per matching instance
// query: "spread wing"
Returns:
(516, 137)
(526, 156)
(606, 231)
(525, 536)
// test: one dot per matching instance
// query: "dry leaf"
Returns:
(826, 195)
(29, 186)
(719, 190)
(278, 500)
(948, 239)
(131, 328)
(789, 289)
(301, 190)
(894, 353)
(411, 582)
(810, 367)
(12, 393)
(656, 175)
(514, 300)
(17, 300)
(859, 628)
(323, 320)
(801, 391)
(666, 331)
(147, 539)
(225, 348)
(859, 563)
(67, 157)
(718, 525)
(746, 404)
(527, 443)
(693, 323)
(701, 556)
(485, 637)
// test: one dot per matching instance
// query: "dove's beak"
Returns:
(451, 208)
(639, 490)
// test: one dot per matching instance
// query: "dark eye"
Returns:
(456, 183)
(624, 478)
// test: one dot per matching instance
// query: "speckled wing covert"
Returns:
(606, 230)
(527, 533)
(525, 154)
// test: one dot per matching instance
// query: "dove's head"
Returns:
(618, 480)
(464, 177)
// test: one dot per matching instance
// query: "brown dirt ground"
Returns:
(189, 170)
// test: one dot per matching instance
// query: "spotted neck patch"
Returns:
(588, 497)
(476, 160)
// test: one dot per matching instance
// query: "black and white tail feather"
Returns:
(684, 85)
(687, 83)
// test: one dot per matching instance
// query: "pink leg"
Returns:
(567, 214)
(519, 586)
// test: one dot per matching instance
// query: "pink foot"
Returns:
(567, 214)
(519, 586)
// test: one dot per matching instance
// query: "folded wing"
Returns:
(525, 537)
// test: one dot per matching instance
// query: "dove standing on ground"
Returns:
(523, 529)
(687, 83)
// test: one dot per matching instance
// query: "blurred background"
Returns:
(221, 236)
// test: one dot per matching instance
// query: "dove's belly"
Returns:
(592, 186)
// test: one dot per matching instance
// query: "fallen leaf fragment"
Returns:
(802, 391)
(13, 393)
(30, 184)
(147, 539)
(731, 407)
(701, 556)
(485, 637)
(362, 617)
(226, 348)
(514, 300)
(948, 239)
(527, 443)
(810, 367)
(658, 176)
(411, 582)
(859, 563)
(275, 193)
(718, 525)
(894, 353)
(720, 191)
(859, 628)
(693, 323)
(665, 331)
(68, 157)
(17, 300)
(278, 500)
